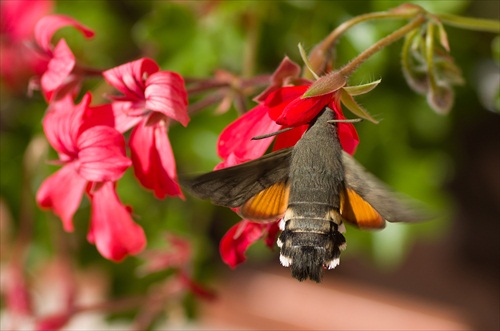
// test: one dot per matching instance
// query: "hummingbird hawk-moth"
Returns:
(313, 187)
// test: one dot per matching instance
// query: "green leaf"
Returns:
(354, 107)
(361, 89)
(443, 37)
(303, 54)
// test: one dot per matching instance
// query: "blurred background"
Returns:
(441, 274)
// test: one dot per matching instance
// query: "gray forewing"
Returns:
(231, 187)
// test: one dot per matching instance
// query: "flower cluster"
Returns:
(89, 139)
(282, 105)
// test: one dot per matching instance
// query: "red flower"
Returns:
(241, 236)
(60, 74)
(112, 229)
(235, 145)
(17, 21)
(95, 154)
(151, 98)
(288, 107)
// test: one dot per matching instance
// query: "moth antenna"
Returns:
(272, 134)
(354, 120)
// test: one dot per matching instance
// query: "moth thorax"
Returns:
(308, 252)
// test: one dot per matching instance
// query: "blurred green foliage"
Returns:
(412, 149)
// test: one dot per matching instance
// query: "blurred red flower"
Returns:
(61, 76)
(19, 60)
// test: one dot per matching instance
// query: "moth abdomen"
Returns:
(310, 245)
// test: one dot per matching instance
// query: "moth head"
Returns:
(308, 253)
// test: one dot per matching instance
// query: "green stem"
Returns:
(317, 57)
(348, 69)
(477, 24)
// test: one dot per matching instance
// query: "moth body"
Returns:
(311, 239)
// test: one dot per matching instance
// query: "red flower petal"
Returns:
(289, 138)
(62, 192)
(112, 229)
(237, 137)
(238, 239)
(279, 99)
(165, 93)
(101, 154)
(48, 25)
(303, 110)
(347, 133)
(58, 69)
(287, 70)
(153, 159)
(129, 78)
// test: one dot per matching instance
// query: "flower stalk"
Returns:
(470, 23)
(349, 69)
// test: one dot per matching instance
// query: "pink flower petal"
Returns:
(62, 193)
(62, 125)
(101, 154)
(48, 25)
(165, 93)
(237, 137)
(240, 237)
(153, 159)
(112, 229)
(129, 78)
(58, 69)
